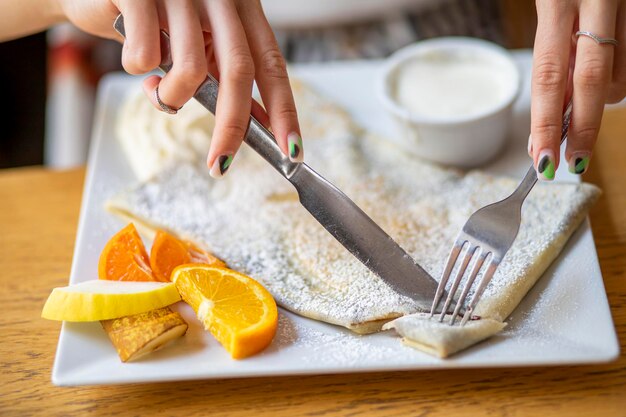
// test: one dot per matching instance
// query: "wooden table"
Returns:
(38, 218)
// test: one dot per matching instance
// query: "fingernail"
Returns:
(220, 166)
(296, 153)
(545, 165)
(530, 146)
(578, 162)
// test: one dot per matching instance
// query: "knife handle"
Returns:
(257, 136)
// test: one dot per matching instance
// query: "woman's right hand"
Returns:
(231, 39)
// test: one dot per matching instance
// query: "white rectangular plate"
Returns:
(565, 319)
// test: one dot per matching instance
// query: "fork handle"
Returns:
(530, 179)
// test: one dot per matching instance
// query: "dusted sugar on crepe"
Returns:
(252, 219)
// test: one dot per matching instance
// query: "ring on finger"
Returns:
(599, 40)
(164, 107)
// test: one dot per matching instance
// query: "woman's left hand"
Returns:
(591, 73)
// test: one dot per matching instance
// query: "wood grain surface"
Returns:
(38, 219)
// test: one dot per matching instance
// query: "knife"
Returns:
(339, 215)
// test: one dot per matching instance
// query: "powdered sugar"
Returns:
(333, 345)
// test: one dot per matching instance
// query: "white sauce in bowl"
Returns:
(442, 85)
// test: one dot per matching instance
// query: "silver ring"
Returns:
(167, 109)
(596, 38)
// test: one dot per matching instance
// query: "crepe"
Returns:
(252, 220)
(439, 338)
(152, 139)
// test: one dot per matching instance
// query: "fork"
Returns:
(487, 235)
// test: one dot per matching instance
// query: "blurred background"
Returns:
(48, 80)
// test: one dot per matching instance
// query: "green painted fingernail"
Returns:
(546, 166)
(221, 165)
(578, 163)
(296, 152)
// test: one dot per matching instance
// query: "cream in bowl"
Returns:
(452, 98)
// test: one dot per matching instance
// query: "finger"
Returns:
(272, 79)
(209, 53)
(617, 89)
(261, 116)
(102, 26)
(258, 112)
(141, 52)
(549, 78)
(149, 85)
(236, 70)
(568, 86)
(592, 75)
(187, 51)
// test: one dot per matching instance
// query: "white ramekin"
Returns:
(461, 140)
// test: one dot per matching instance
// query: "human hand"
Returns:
(592, 74)
(231, 39)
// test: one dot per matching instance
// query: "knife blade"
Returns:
(339, 215)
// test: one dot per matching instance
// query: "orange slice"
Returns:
(168, 252)
(236, 309)
(124, 258)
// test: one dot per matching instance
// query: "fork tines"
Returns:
(470, 251)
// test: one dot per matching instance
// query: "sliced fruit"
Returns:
(124, 258)
(102, 300)
(236, 309)
(140, 334)
(168, 252)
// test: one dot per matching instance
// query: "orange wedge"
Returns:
(124, 258)
(168, 252)
(236, 309)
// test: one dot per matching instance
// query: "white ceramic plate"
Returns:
(565, 319)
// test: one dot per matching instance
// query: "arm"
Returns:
(25, 17)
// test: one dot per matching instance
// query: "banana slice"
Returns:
(140, 334)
